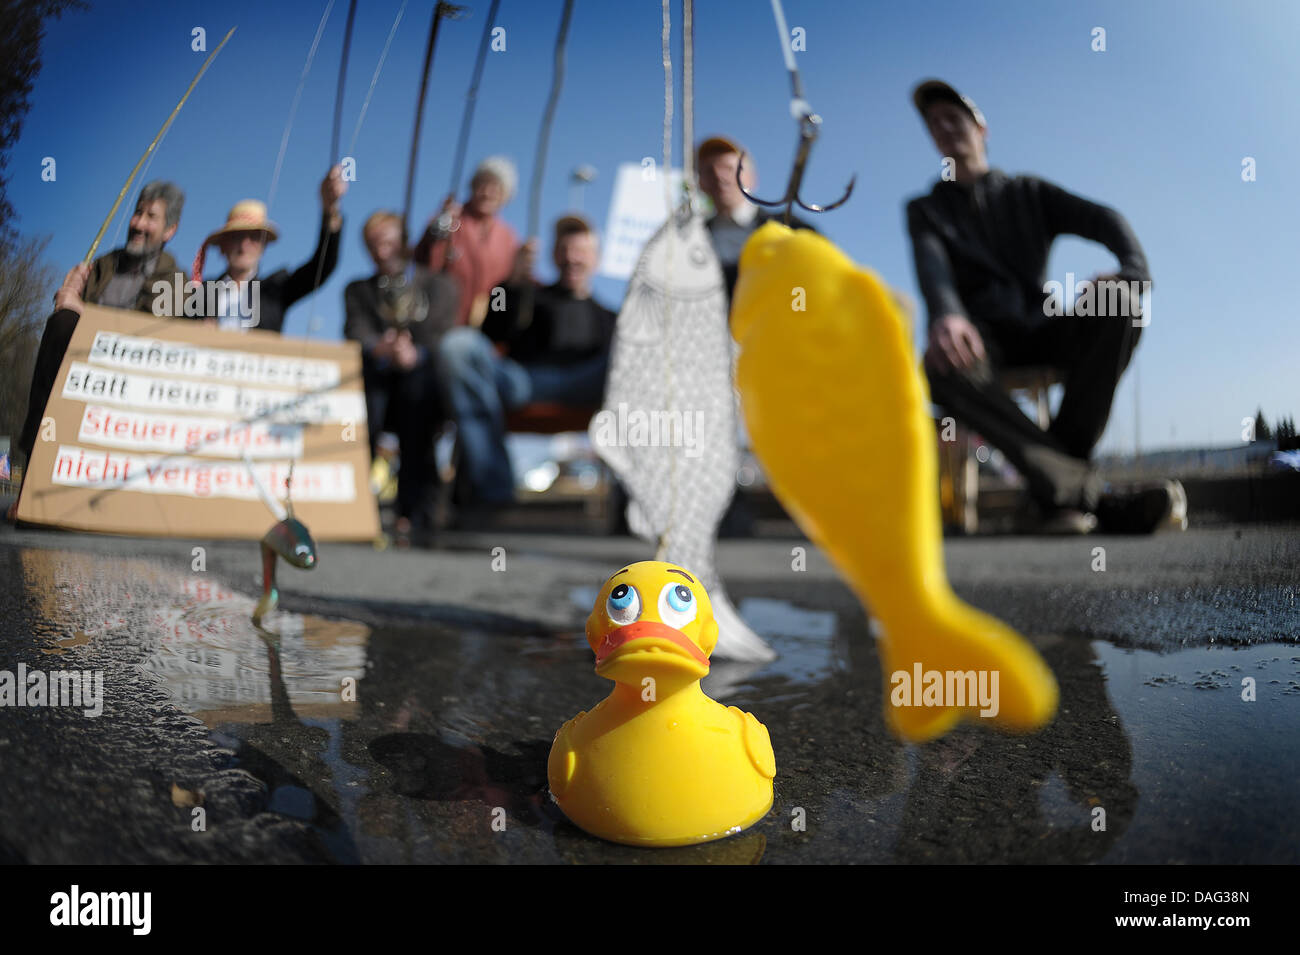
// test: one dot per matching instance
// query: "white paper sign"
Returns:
(183, 434)
(180, 358)
(130, 390)
(94, 468)
(635, 212)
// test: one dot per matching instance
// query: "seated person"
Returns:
(471, 242)
(398, 315)
(981, 242)
(123, 278)
(242, 241)
(559, 353)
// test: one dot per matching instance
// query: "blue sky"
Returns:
(1156, 126)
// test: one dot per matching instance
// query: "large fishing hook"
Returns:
(809, 125)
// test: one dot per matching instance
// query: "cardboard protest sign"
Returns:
(154, 425)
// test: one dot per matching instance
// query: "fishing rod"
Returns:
(153, 145)
(471, 98)
(528, 293)
(441, 11)
(343, 72)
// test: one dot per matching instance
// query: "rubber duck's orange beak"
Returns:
(651, 639)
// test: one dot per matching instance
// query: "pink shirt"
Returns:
(483, 253)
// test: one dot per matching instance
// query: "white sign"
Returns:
(181, 434)
(124, 389)
(636, 211)
(87, 467)
(152, 354)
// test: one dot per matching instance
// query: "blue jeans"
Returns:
(482, 386)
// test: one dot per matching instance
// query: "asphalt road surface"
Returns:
(400, 706)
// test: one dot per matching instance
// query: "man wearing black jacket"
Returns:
(398, 315)
(243, 298)
(559, 353)
(981, 241)
(123, 278)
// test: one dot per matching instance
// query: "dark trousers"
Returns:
(408, 403)
(1092, 353)
(54, 345)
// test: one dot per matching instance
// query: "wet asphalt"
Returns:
(400, 707)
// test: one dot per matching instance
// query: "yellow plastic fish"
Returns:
(837, 412)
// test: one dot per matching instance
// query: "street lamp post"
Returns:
(579, 178)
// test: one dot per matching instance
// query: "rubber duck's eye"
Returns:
(677, 605)
(624, 604)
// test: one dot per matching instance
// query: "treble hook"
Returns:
(808, 126)
(809, 123)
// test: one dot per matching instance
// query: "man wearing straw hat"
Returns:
(241, 297)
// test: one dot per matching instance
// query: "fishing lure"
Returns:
(288, 539)
(837, 412)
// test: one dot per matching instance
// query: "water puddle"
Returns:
(429, 744)
(1213, 732)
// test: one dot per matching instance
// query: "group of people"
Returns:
(456, 328)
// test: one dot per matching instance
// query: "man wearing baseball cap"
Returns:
(981, 241)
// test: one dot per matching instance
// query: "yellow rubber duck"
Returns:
(658, 763)
(838, 414)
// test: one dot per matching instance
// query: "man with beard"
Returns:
(123, 278)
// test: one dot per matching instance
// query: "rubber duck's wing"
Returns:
(563, 761)
(758, 744)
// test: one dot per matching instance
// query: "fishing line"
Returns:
(665, 38)
(688, 98)
(665, 41)
(293, 108)
(365, 105)
(799, 107)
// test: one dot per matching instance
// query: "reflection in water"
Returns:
(441, 756)
(979, 796)
(277, 697)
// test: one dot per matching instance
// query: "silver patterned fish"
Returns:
(669, 422)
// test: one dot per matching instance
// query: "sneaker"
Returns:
(1057, 521)
(1143, 509)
